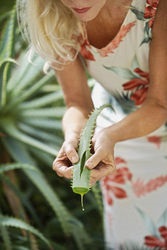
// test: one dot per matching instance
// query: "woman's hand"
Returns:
(66, 157)
(102, 161)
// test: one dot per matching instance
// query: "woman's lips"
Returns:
(81, 10)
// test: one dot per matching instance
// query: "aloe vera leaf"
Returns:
(81, 174)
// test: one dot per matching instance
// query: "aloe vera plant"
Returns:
(6, 221)
(81, 174)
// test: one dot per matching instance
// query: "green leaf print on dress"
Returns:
(157, 233)
(148, 17)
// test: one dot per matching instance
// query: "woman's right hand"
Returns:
(66, 157)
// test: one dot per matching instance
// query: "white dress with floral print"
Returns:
(135, 196)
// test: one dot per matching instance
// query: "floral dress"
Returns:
(135, 196)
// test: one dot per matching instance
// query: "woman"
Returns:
(123, 44)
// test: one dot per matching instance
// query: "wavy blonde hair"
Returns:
(51, 29)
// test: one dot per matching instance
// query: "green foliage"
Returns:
(31, 109)
(13, 222)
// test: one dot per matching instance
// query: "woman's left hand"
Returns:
(102, 161)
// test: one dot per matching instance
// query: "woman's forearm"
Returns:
(73, 122)
(145, 120)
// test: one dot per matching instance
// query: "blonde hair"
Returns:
(51, 29)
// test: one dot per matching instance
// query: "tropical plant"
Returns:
(31, 108)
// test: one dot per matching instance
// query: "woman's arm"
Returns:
(153, 112)
(77, 95)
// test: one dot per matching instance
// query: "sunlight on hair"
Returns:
(51, 29)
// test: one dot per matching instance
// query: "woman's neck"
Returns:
(102, 29)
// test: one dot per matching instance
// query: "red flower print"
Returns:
(119, 160)
(153, 3)
(85, 52)
(163, 232)
(111, 185)
(160, 243)
(150, 11)
(140, 188)
(155, 139)
(138, 86)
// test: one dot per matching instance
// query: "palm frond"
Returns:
(12, 166)
(6, 221)
(6, 238)
(6, 54)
